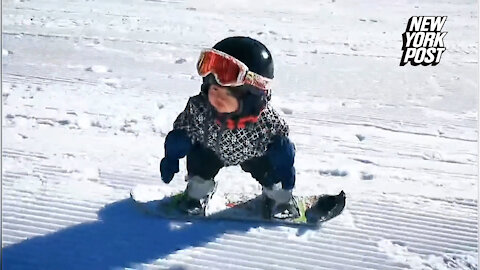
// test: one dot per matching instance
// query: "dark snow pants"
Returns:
(203, 162)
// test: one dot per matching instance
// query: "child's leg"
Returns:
(202, 166)
(276, 173)
(203, 162)
(261, 170)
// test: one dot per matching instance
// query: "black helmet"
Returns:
(251, 52)
(248, 50)
(259, 60)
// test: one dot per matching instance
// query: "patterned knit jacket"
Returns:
(232, 146)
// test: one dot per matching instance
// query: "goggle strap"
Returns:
(258, 81)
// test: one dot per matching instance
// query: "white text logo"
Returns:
(423, 41)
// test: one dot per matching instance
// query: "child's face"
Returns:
(222, 100)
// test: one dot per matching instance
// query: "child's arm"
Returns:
(178, 142)
(281, 152)
(278, 125)
(187, 120)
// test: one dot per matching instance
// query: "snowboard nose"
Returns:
(326, 207)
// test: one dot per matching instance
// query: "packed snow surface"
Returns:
(91, 88)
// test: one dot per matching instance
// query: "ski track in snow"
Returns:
(90, 90)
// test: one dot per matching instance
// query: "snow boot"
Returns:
(279, 203)
(197, 194)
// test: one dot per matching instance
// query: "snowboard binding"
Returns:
(288, 210)
(196, 196)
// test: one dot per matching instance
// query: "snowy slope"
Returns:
(90, 89)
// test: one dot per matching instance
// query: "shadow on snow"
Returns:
(122, 237)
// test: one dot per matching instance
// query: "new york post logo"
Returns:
(423, 41)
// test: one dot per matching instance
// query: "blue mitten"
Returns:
(177, 146)
(168, 168)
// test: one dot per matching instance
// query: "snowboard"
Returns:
(314, 210)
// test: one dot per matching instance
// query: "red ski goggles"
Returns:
(229, 71)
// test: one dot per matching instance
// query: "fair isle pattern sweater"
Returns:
(233, 146)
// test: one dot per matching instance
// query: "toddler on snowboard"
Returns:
(230, 122)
